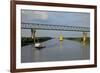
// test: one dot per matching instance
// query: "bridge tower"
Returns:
(33, 34)
(84, 37)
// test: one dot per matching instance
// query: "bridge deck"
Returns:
(54, 27)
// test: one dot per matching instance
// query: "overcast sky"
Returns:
(55, 18)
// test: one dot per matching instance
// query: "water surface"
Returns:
(55, 50)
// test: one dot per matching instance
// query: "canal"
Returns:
(55, 50)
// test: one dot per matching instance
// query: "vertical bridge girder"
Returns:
(33, 34)
(84, 37)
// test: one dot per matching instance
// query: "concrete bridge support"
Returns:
(33, 34)
(84, 37)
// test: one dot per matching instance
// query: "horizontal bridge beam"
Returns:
(54, 27)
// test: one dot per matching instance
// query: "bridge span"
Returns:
(36, 26)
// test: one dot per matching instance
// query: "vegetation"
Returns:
(29, 40)
(78, 39)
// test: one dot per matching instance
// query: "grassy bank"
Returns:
(29, 40)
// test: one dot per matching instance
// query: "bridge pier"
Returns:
(33, 34)
(84, 37)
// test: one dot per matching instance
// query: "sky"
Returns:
(55, 18)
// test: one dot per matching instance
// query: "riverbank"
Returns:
(78, 39)
(29, 40)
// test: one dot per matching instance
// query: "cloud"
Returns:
(36, 14)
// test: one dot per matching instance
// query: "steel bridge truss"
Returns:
(54, 27)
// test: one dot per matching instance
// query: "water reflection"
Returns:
(85, 50)
(61, 42)
(36, 54)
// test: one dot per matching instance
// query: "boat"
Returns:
(39, 45)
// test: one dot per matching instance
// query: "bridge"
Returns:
(35, 26)
(54, 27)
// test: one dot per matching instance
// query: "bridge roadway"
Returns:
(54, 27)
